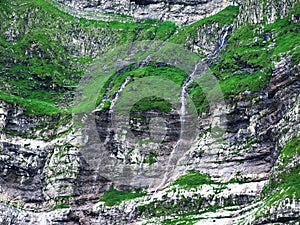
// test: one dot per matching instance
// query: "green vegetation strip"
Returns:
(287, 181)
(152, 102)
(115, 197)
(193, 179)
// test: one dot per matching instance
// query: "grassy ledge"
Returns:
(115, 197)
(193, 179)
(172, 74)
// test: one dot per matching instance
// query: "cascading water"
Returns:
(223, 39)
(113, 102)
(110, 112)
(104, 99)
(182, 113)
(222, 42)
(111, 108)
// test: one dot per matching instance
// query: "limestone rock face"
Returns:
(254, 11)
(178, 11)
(185, 12)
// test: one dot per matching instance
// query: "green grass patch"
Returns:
(61, 206)
(163, 208)
(115, 197)
(168, 72)
(289, 152)
(284, 183)
(193, 179)
(151, 158)
(238, 83)
(180, 210)
(32, 106)
(198, 97)
(287, 185)
(152, 101)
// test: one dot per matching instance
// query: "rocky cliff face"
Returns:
(257, 11)
(52, 172)
(180, 12)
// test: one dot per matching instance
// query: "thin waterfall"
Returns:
(182, 113)
(114, 101)
(112, 105)
(224, 37)
(110, 111)
(222, 42)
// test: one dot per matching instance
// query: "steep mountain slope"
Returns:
(230, 161)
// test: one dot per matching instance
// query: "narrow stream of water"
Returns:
(182, 114)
